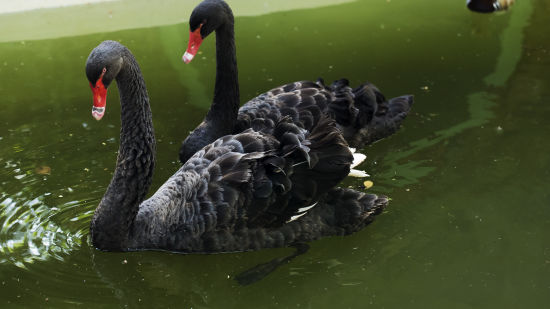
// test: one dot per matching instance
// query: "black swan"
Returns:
(488, 6)
(242, 192)
(362, 114)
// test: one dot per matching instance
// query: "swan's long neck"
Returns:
(135, 163)
(225, 106)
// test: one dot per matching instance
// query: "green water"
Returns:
(469, 221)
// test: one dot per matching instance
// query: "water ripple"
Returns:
(32, 230)
(45, 204)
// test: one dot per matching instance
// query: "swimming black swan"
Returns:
(242, 192)
(362, 114)
(488, 6)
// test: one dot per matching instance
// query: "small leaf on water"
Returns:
(368, 184)
(43, 170)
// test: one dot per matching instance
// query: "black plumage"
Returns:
(362, 114)
(242, 192)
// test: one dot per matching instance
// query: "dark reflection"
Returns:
(260, 271)
(173, 279)
(162, 278)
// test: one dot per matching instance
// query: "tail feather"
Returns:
(399, 107)
(363, 114)
(368, 100)
(378, 118)
(341, 211)
(352, 210)
(387, 123)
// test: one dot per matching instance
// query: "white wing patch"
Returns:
(358, 173)
(301, 211)
(358, 158)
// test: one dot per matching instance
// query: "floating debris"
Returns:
(368, 184)
(43, 170)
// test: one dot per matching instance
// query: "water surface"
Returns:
(468, 173)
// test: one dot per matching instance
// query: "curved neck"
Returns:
(225, 105)
(135, 163)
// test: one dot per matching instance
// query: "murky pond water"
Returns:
(469, 221)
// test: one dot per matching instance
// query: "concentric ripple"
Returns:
(44, 214)
(32, 230)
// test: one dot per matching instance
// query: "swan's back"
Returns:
(243, 182)
(362, 114)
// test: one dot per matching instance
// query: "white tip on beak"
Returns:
(98, 112)
(187, 57)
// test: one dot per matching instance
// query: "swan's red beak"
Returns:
(195, 40)
(100, 98)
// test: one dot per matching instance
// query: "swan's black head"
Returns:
(206, 18)
(102, 66)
